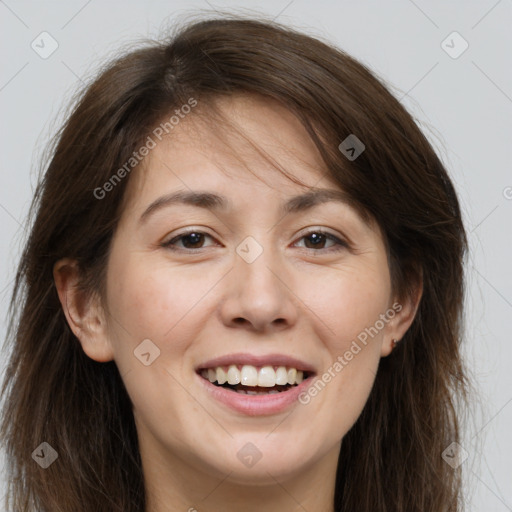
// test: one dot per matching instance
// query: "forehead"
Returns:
(243, 140)
(256, 157)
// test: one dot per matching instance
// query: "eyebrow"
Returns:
(216, 202)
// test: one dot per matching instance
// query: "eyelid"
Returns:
(340, 241)
(181, 234)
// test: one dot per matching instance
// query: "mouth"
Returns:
(255, 380)
(255, 385)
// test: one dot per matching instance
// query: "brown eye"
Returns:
(318, 238)
(190, 240)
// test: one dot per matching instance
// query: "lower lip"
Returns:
(256, 405)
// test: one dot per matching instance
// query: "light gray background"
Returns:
(464, 105)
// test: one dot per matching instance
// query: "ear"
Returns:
(84, 314)
(405, 312)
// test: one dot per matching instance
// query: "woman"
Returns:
(242, 289)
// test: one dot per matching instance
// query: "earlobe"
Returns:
(83, 311)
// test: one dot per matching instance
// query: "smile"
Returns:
(255, 385)
(253, 380)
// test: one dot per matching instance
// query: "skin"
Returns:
(294, 299)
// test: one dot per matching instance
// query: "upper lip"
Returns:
(254, 360)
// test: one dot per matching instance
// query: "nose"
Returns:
(259, 295)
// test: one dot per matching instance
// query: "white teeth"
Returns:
(281, 376)
(233, 375)
(251, 376)
(292, 373)
(267, 377)
(221, 376)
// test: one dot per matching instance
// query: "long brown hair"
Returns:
(391, 458)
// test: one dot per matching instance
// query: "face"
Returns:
(251, 288)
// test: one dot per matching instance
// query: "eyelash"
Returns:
(340, 243)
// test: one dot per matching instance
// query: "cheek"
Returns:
(346, 301)
(349, 306)
(152, 301)
(157, 301)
